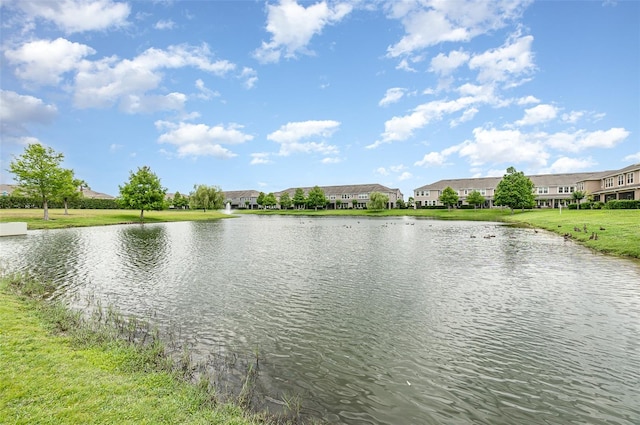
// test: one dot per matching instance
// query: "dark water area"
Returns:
(376, 321)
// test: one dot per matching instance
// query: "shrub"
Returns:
(623, 204)
(13, 201)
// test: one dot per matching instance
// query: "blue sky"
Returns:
(277, 94)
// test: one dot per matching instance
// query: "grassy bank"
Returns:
(51, 377)
(84, 218)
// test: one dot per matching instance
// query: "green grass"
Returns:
(84, 218)
(51, 379)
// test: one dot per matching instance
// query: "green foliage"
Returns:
(39, 174)
(299, 199)
(13, 201)
(411, 202)
(475, 198)
(515, 190)
(316, 198)
(270, 200)
(179, 201)
(205, 197)
(449, 197)
(285, 201)
(142, 192)
(260, 199)
(400, 204)
(577, 196)
(377, 201)
(622, 204)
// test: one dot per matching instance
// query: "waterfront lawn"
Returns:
(618, 231)
(47, 379)
(84, 218)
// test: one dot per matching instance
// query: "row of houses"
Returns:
(338, 197)
(551, 190)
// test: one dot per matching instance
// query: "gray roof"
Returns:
(344, 189)
(234, 194)
(632, 167)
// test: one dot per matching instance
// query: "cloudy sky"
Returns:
(272, 94)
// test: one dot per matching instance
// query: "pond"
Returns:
(376, 320)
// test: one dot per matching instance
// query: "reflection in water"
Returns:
(379, 321)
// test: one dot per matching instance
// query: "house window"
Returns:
(346, 196)
(629, 178)
(620, 180)
(425, 193)
(332, 197)
(608, 182)
(543, 190)
(581, 186)
(363, 196)
(483, 192)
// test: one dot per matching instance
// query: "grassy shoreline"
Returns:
(621, 236)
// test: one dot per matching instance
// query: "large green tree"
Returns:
(260, 199)
(515, 190)
(179, 201)
(270, 200)
(475, 198)
(299, 199)
(70, 189)
(39, 174)
(449, 197)
(377, 201)
(285, 201)
(143, 191)
(206, 197)
(316, 198)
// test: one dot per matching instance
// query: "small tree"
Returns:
(338, 203)
(449, 197)
(400, 204)
(578, 196)
(179, 201)
(70, 189)
(142, 192)
(515, 190)
(411, 202)
(285, 201)
(270, 200)
(316, 198)
(354, 202)
(299, 199)
(475, 199)
(206, 197)
(260, 199)
(377, 201)
(39, 175)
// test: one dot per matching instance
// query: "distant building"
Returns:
(551, 190)
(7, 189)
(339, 197)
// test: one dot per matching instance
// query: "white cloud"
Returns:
(135, 104)
(201, 139)
(430, 23)
(467, 115)
(538, 114)
(205, 93)
(572, 117)
(569, 165)
(405, 176)
(430, 159)
(260, 158)
(581, 139)
(292, 26)
(392, 95)
(17, 111)
(382, 171)
(165, 24)
(250, 77)
(491, 145)
(511, 60)
(334, 160)
(446, 64)
(44, 61)
(107, 81)
(635, 157)
(73, 16)
(404, 65)
(527, 100)
(290, 137)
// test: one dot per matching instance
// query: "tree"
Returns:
(449, 197)
(260, 199)
(316, 198)
(206, 197)
(377, 201)
(270, 200)
(299, 199)
(285, 201)
(338, 204)
(578, 196)
(143, 191)
(475, 199)
(354, 202)
(39, 175)
(70, 189)
(411, 202)
(515, 190)
(180, 202)
(400, 204)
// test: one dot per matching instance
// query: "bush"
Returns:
(623, 204)
(12, 201)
